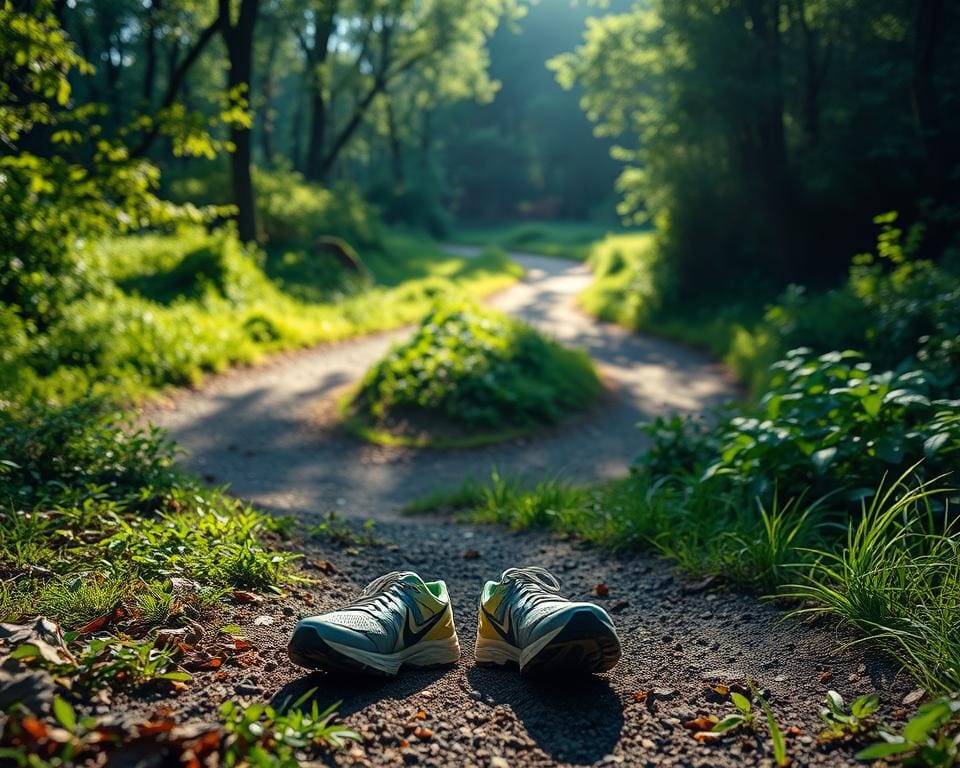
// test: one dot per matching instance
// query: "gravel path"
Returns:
(262, 430)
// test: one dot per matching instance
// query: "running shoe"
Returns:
(525, 620)
(398, 619)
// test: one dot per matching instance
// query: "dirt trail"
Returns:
(258, 430)
(266, 430)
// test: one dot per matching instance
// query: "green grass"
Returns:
(469, 376)
(566, 239)
(106, 521)
(892, 572)
(173, 308)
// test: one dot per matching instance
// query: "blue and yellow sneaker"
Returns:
(524, 620)
(398, 619)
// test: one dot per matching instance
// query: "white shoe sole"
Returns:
(426, 653)
(585, 643)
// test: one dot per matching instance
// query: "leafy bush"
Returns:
(85, 469)
(290, 210)
(178, 306)
(628, 284)
(476, 369)
(826, 423)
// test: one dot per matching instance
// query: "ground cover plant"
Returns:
(896, 306)
(566, 239)
(113, 566)
(470, 375)
(173, 307)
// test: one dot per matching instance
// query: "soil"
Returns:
(258, 430)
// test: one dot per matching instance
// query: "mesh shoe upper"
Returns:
(526, 605)
(393, 612)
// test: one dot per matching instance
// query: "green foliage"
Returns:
(826, 423)
(53, 201)
(929, 739)
(343, 533)
(259, 735)
(476, 370)
(292, 211)
(896, 577)
(83, 469)
(627, 286)
(746, 718)
(752, 135)
(177, 307)
(567, 239)
(113, 662)
(841, 724)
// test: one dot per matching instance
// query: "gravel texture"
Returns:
(259, 431)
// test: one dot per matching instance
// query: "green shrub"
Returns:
(826, 423)
(628, 284)
(181, 305)
(476, 369)
(95, 513)
(290, 210)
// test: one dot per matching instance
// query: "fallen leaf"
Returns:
(700, 723)
(707, 737)
(640, 696)
(471, 554)
(246, 597)
(96, 625)
(825, 676)
(34, 727)
(720, 689)
(914, 696)
(602, 589)
(420, 715)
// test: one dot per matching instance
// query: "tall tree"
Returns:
(237, 35)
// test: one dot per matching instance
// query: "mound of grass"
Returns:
(172, 308)
(469, 376)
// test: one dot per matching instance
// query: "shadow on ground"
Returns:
(351, 693)
(573, 720)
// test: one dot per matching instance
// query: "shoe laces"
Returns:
(533, 576)
(376, 593)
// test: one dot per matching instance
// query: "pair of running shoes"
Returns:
(399, 619)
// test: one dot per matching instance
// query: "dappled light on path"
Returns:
(269, 431)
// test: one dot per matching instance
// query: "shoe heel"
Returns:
(434, 653)
(495, 652)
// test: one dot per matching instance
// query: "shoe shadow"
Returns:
(574, 720)
(353, 692)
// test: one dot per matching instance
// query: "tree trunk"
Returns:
(928, 34)
(266, 92)
(316, 86)
(150, 55)
(238, 38)
(396, 148)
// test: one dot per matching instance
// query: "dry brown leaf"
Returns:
(246, 597)
(602, 589)
(420, 715)
(825, 676)
(640, 696)
(707, 737)
(700, 723)
(720, 689)
(34, 727)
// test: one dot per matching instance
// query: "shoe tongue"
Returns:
(409, 577)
